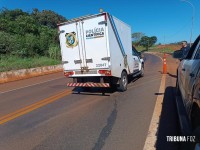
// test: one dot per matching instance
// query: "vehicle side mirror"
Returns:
(178, 54)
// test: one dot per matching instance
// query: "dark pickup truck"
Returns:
(188, 92)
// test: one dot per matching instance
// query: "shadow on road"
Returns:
(94, 91)
(169, 125)
(171, 75)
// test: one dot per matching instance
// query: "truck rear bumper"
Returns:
(106, 85)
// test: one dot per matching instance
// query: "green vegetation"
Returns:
(8, 63)
(144, 43)
(147, 42)
(169, 48)
(139, 39)
(136, 37)
(163, 50)
(140, 48)
(28, 39)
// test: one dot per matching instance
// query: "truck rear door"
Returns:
(71, 48)
(94, 39)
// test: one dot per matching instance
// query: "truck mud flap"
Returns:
(106, 85)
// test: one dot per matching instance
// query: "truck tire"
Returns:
(142, 71)
(123, 82)
(194, 116)
(195, 122)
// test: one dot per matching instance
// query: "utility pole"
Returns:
(193, 12)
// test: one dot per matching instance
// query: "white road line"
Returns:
(30, 85)
(150, 143)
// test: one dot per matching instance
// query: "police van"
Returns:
(97, 52)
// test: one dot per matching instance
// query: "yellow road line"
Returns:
(32, 107)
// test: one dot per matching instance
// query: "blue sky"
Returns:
(169, 20)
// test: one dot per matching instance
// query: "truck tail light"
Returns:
(67, 74)
(105, 72)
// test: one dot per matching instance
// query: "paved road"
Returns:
(46, 118)
(169, 125)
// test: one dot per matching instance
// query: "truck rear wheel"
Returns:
(123, 82)
(142, 71)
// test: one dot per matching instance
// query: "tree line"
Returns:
(29, 34)
(140, 39)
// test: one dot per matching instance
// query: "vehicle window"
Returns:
(192, 49)
(133, 53)
(197, 55)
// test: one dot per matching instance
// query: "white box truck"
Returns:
(97, 51)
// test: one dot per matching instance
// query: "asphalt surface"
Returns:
(116, 121)
(169, 124)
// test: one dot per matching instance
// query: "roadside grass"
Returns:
(160, 48)
(170, 48)
(140, 48)
(11, 62)
(163, 50)
(8, 63)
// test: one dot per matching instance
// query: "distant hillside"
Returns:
(169, 46)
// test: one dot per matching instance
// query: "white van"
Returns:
(97, 51)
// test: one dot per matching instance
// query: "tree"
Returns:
(25, 24)
(136, 37)
(153, 40)
(4, 43)
(29, 34)
(48, 18)
(148, 41)
(11, 14)
(145, 42)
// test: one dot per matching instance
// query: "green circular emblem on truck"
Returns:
(71, 40)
